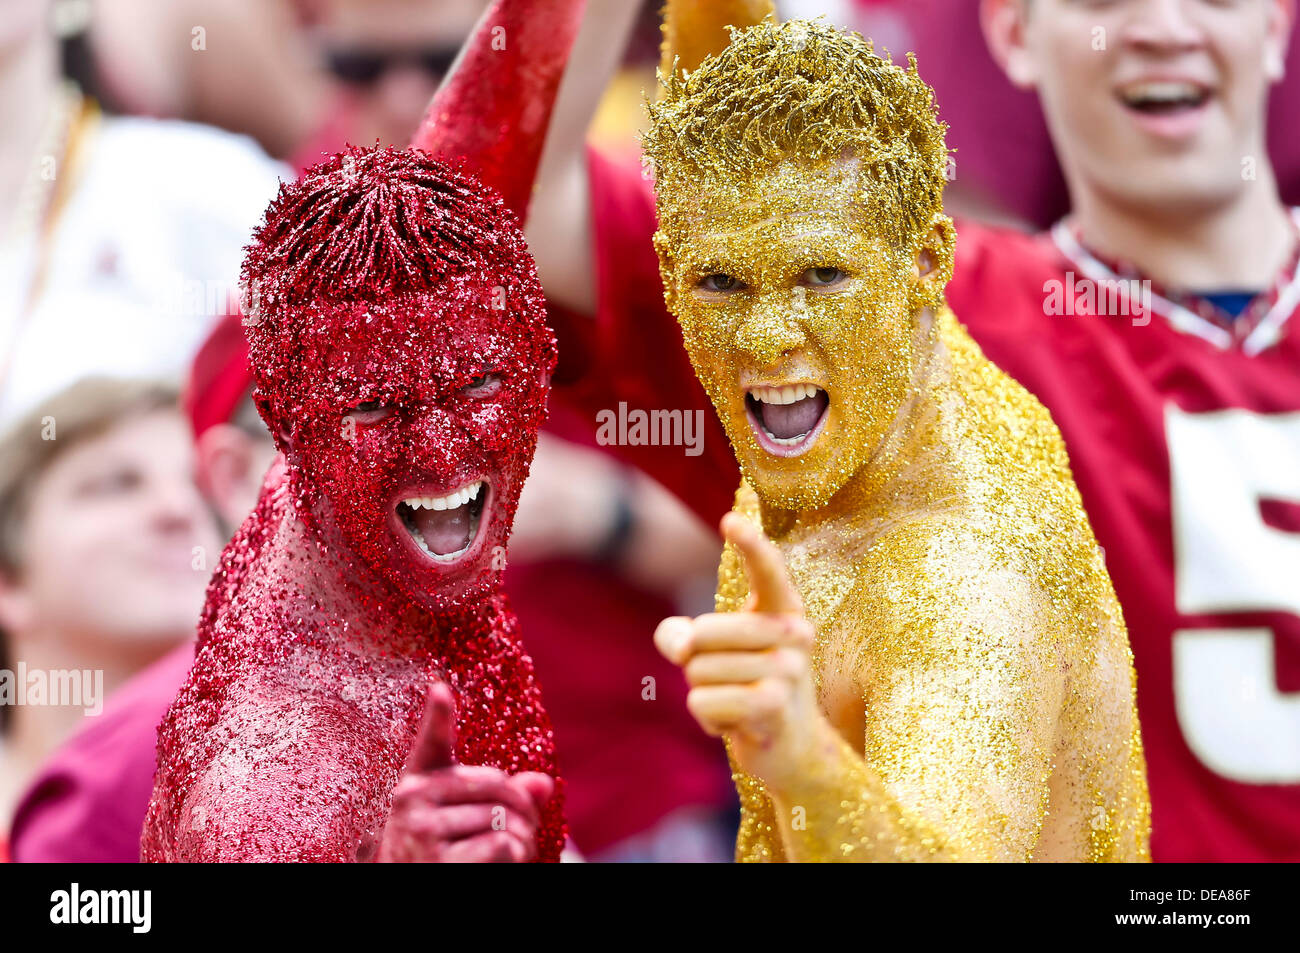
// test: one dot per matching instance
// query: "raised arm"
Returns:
(559, 219)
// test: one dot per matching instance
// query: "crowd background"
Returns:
(142, 140)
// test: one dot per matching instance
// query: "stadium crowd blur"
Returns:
(141, 141)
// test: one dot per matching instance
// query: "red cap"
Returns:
(493, 109)
(220, 377)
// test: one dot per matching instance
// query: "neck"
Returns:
(29, 81)
(1237, 244)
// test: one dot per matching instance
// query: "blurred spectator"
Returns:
(119, 238)
(241, 65)
(105, 549)
(302, 76)
(386, 59)
(1006, 170)
(88, 801)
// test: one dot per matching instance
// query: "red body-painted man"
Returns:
(398, 338)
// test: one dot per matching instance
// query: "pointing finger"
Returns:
(769, 583)
(435, 742)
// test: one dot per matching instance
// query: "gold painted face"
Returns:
(799, 318)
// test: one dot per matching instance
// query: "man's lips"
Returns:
(787, 419)
(1169, 107)
(445, 526)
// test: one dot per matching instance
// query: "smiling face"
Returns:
(1150, 101)
(419, 419)
(113, 536)
(799, 320)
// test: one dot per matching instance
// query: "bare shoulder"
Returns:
(946, 584)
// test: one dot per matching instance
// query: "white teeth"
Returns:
(783, 395)
(1171, 92)
(453, 500)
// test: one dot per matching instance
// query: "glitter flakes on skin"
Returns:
(970, 652)
(399, 341)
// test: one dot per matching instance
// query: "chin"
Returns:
(807, 484)
(787, 494)
(799, 473)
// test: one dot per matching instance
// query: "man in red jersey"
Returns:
(1157, 324)
(1179, 402)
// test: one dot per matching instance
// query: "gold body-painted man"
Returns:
(931, 664)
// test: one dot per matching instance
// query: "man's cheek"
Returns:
(490, 425)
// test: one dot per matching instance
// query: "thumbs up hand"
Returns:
(750, 672)
(448, 813)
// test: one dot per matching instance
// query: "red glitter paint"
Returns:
(386, 281)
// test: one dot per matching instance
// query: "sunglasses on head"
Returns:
(365, 67)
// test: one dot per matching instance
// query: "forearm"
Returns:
(832, 806)
(559, 219)
(670, 548)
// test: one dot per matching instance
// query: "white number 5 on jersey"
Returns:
(1227, 559)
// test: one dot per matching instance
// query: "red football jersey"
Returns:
(1183, 429)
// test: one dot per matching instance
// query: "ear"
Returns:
(934, 258)
(226, 460)
(1003, 23)
(932, 266)
(281, 430)
(1281, 19)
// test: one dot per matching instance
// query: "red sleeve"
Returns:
(88, 802)
(631, 352)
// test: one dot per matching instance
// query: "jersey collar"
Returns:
(1258, 328)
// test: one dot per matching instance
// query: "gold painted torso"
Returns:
(970, 555)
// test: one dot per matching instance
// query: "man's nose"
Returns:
(174, 506)
(1163, 26)
(772, 328)
(438, 438)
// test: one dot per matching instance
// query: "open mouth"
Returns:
(445, 527)
(1164, 97)
(787, 419)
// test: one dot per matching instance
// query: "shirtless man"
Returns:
(359, 690)
(942, 673)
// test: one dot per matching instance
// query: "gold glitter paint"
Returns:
(970, 651)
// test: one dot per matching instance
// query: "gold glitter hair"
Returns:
(805, 89)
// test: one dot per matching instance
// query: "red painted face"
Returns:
(413, 414)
